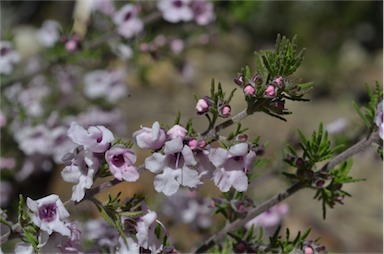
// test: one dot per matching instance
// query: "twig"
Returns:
(219, 237)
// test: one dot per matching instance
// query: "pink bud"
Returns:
(239, 80)
(279, 81)
(177, 132)
(308, 250)
(270, 91)
(193, 143)
(202, 106)
(202, 143)
(225, 110)
(249, 89)
(71, 46)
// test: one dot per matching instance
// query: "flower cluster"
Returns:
(182, 160)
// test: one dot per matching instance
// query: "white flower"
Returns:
(81, 167)
(146, 235)
(231, 166)
(96, 138)
(175, 10)
(127, 22)
(48, 213)
(105, 84)
(49, 34)
(8, 57)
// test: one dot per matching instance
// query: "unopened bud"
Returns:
(249, 89)
(279, 81)
(270, 91)
(225, 110)
(239, 80)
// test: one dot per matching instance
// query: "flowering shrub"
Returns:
(64, 115)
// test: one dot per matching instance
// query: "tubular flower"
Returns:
(48, 213)
(96, 139)
(148, 138)
(120, 161)
(231, 166)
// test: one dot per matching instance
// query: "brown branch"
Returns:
(220, 236)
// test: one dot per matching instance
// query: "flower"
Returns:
(97, 138)
(202, 12)
(127, 22)
(177, 132)
(175, 10)
(146, 235)
(231, 166)
(175, 165)
(8, 57)
(379, 115)
(81, 167)
(269, 219)
(48, 34)
(48, 213)
(120, 161)
(150, 138)
(105, 84)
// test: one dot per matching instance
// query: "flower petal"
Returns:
(166, 182)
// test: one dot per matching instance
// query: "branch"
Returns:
(219, 237)
(235, 119)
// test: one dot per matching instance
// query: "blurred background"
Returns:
(344, 51)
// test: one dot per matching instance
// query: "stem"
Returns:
(237, 118)
(219, 237)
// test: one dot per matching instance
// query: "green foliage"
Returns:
(367, 113)
(30, 232)
(283, 61)
(279, 245)
(318, 148)
(330, 194)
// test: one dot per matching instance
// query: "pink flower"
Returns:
(48, 213)
(177, 132)
(270, 91)
(231, 166)
(148, 138)
(175, 10)
(97, 138)
(127, 22)
(120, 161)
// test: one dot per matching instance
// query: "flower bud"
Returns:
(193, 143)
(71, 46)
(240, 247)
(242, 137)
(239, 80)
(203, 104)
(225, 110)
(177, 132)
(249, 89)
(270, 91)
(279, 81)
